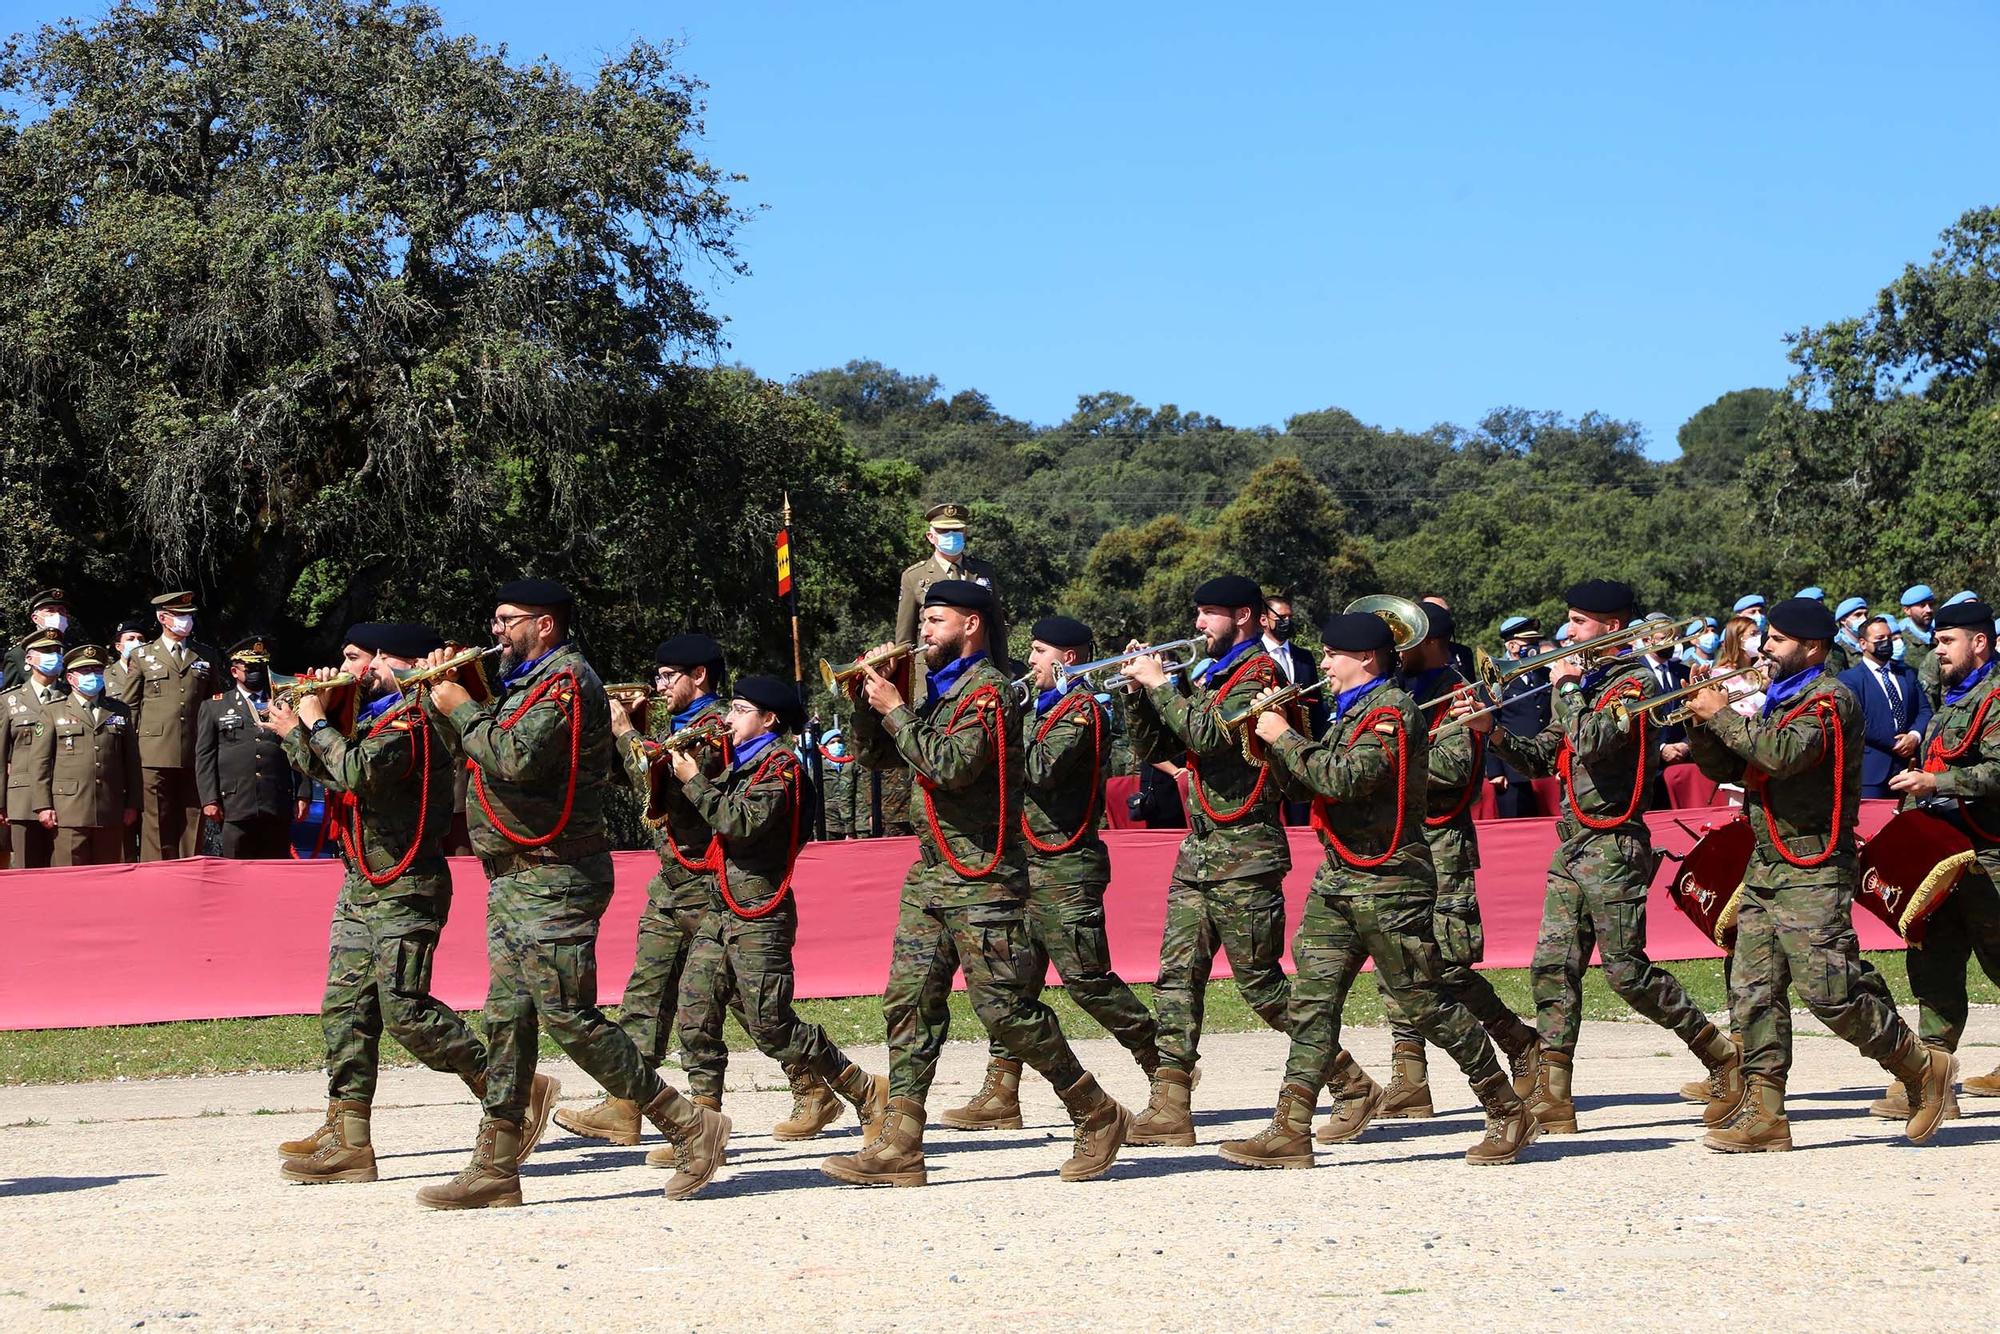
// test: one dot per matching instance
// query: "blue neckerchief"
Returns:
(1597, 676)
(1347, 699)
(1219, 669)
(1423, 684)
(944, 678)
(1048, 699)
(754, 747)
(686, 716)
(527, 669)
(1789, 689)
(1969, 684)
(381, 706)
(1911, 628)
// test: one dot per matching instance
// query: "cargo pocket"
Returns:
(413, 965)
(575, 965)
(1460, 939)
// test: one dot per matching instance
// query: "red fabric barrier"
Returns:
(1688, 788)
(214, 939)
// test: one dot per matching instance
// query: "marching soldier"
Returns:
(1800, 769)
(245, 783)
(962, 903)
(24, 717)
(86, 767)
(1600, 874)
(1373, 898)
(48, 610)
(165, 683)
(388, 790)
(1227, 890)
(542, 759)
(1961, 769)
(1068, 872)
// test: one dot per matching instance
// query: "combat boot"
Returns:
(1983, 1086)
(893, 1158)
(697, 1133)
(997, 1105)
(1169, 1114)
(1101, 1128)
(1927, 1074)
(815, 1106)
(1894, 1104)
(1697, 1091)
(1760, 1126)
(493, 1178)
(615, 1120)
(870, 1096)
(1521, 1045)
(1408, 1096)
(1724, 1060)
(1510, 1127)
(1287, 1141)
(1356, 1099)
(1550, 1104)
(307, 1147)
(667, 1155)
(347, 1154)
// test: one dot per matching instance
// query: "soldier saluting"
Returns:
(165, 683)
(86, 768)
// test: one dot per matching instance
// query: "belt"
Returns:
(557, 854)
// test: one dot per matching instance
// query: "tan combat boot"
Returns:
(1928, 1074)
(347, 1154)
(997, 1105)
(1287, 1141)
(1169, 1114)
(1983, 1086)
(1510, 1126)
(542, 1094)
(1697, 1091)
(493, 1178)
(1724, 1060)
(1356, 1099)
(893, 1158)
(1894, 1104)
(870, 1096)
(667, 1155)
(1550, 1104)
(1521, 1045)
(815, 1106)
(1408, 1097)
(697, 1136)
(1760, 1126)
(615, 1120)
(307, 1147)
(1101, 1128)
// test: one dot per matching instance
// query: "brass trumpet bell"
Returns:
(1408, 622)
(837, 677)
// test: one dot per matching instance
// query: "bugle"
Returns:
(836, 678)
(469, 661)
(1630, 709)
(1609, 644)
(1277, 699)
(689, 739)
(636, 698)
(1179, 655)
(292, 689)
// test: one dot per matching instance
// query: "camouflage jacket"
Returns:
(1457, 768)
(843, 798)
(964, 769)
(675, 823)
(1065, 753)
(1182, 721)
(1367, 813)
(758, 810)
(1789, 780)
(1608, 761)
(382, 768)
(1971, 777)
(521, 765)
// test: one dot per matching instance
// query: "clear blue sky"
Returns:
(1417, 213)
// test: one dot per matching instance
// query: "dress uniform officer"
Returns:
(165, 682)
(86, 768)
(24, 715)
(245, 781)
(47, 610)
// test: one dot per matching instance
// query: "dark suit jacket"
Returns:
(1521, 717)
(240, 766)
(1677, 673)
(1304, 670)
(1883, 722)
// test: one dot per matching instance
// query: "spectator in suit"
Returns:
(1299, 668)
(1668, 673)
(1894, 708)
(1524, 711)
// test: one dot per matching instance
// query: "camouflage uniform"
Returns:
(1600, 874)
(972, 917)
(1069, 871)
(1227, 890)
(544, 902)
(1371, 814)
(1796, 923)
(1968, 923)
(384, 936)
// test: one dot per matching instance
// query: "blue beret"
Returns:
(1747, 601)
(1966, 595)
(1813, 591)
(1230, 590)
(1916, 593)
(1848, 606)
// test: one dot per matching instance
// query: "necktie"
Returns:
(1889, 688)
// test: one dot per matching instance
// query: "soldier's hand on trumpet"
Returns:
(279, 717)
(1271, 723)
(877, 690)
(445, 694)
(1704, 705)
(684, 765)
(1145, 670)
(1465, 705)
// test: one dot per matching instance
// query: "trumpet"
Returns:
(690, 739)
(1022, 692)
(1612, 642)
(292, 689)
(837, 678)
(1754, 674)
(636, 698)
(1277, 699)
(417, 678)
(1180, 655)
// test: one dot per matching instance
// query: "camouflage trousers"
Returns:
(1596, 898)
(745, 968)
(1066, 925)
(1461, 943)
(1965, 927)
(1338, 934)
(937, 932)
(1803, 936)
(378, 978)
(1245, 919)
(541, 957)
(666, 930)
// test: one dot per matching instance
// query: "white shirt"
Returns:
(1887, 681)
(1284, 659)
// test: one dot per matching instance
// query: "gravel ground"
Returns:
(158, 1204)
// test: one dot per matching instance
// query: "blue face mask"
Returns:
(1709, 642)
(48, 664)
(90, 683)
(951, 543)
(1761, 621)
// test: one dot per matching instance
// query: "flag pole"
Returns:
(810, 742)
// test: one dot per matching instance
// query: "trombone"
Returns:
(1180, 655)
(417, 678)
(1606, 645)
(836, 678)
(1754, 674)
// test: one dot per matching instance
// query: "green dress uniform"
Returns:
(165, 683)
(24, 716)
(241, 768)
(86, 769)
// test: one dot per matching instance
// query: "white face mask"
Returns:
(181, 625)
(1752, 643)
(52, 620)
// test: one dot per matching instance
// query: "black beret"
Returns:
(694, 650)
(1972, 615)
(1355, 632)
(1230, 590)
(534, 593)
(963, 594)
(1802, 618)
(1601, 597)
(1443, 626)
(1061, 632)
(364, 635)
(406, 639)
(772, 696)
(139, 625)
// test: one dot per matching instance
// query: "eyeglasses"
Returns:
(743, 707)
(507, 622)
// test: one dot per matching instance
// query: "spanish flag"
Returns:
(785, 570)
